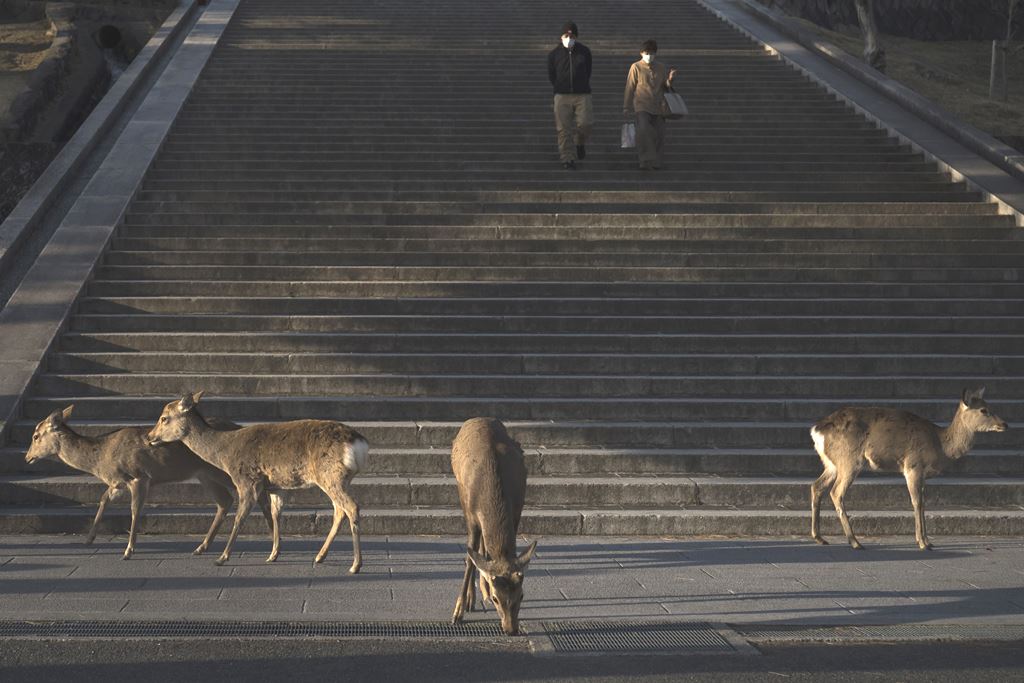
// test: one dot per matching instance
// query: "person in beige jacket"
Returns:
(644, 102)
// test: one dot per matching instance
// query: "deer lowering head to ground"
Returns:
(491, 476)
(891, 440)
(266, 458)
(125, 459)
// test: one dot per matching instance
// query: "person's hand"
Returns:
(671, 74)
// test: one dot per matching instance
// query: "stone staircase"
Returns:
(359, 215)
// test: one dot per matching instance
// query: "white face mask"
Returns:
(647, 58)
(568, 42)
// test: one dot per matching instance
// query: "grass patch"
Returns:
(953, 74)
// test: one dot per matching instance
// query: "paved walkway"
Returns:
(965, 580)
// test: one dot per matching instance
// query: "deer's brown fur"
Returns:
(891, 440)
(491, 476)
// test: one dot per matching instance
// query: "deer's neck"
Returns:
(957, 438)
(80, 451)
(204, 441)
(499, 536)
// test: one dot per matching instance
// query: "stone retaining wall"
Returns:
(919, 19)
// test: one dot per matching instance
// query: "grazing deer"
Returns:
(126, 459)
(491, 477)
(265, 458)
(892, 441)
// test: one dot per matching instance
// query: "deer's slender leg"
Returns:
(104, 499)
(818, 488)
(465, 598)
(843, 482)
(344, 506)
(915, 484)
(246, 497)
(138, 488)
(276, 503)
(224, 499)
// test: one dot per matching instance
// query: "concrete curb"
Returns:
(38, 311)
(999, 153)
(58, 175)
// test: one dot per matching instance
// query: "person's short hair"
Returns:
(649, 46)
(570, 27)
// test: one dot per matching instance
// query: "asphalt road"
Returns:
(179, 661)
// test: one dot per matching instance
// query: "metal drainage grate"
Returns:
(245, 629)
(640, 637)
(890, 632)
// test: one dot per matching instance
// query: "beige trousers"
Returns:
(650, 139)
(574, 117)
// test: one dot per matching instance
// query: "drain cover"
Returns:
(890, 632)
(634, 637)
(245, 629)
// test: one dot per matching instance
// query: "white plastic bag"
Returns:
(629, 136)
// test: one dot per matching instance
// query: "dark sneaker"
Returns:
(581, 152)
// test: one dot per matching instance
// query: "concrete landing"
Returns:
(738, 582)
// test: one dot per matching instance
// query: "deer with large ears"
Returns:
(265, 458)
(125, 459)
(491, 477)
(891, 440)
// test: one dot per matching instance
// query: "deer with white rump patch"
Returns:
(126, 460)
(892, 441)
(266, 458)
(491, 476)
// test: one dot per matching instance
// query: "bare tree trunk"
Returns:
(874, 53)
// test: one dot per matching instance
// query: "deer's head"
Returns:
(174, 422)
(975, 413)
(46, 437)
(505, 583)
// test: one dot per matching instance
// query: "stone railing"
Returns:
(920, 19)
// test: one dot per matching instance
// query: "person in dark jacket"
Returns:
(569, 67)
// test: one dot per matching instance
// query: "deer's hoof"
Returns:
(220, 561)
(856, 545)
(127, 555)
(819, 540)
(925, 546)
(89, 540)
(354, 569)
(200, 550)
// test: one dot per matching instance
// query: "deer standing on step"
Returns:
(891, 440)
(491, 476)
(126, 460)
(266, 458)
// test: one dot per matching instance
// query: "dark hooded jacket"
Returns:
(569, 69)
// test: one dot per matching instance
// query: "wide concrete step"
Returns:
(636, 493)
(597, 307)
(567, 409)
(697, 256)
(637, 221)
(202, 230)
(540, 432)
(489, 247)
(184, 189)
(449, 521)
(677, 324)
(604, 462)
(219, 203)
(836, 385)
(800, 341)
(803, 462)
(559, 363)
